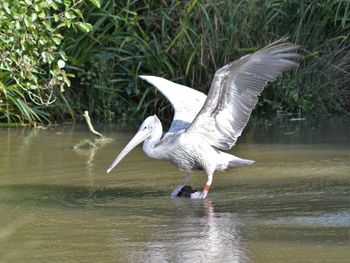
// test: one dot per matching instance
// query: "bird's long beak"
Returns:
(136, 140)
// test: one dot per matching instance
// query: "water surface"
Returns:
(293, 205)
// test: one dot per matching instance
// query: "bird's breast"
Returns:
(187, 154)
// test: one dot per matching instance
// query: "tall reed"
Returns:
(186, 41)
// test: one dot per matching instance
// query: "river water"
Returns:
(293, 205)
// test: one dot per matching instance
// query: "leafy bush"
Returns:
(32, 61)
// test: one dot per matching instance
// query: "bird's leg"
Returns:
(204, 193)
(181, 185)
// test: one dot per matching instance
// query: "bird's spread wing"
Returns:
(186, 102)
(235, 90)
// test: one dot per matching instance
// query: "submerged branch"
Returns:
(88, 121)
(89, 143)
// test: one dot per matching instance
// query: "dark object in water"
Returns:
(186, 191)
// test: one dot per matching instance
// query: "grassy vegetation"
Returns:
(186, 41)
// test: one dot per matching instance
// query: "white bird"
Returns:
(204, 126)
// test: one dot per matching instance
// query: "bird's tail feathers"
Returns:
(231, 161)
(239, 162)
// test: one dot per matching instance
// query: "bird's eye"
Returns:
(144, 128)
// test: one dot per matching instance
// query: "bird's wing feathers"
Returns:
(235, 90)
(186, 102)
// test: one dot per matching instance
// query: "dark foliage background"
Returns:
(186, 41)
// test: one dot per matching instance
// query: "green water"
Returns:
(293, 205)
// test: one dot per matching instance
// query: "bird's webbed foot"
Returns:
(183, 190)
(177, 190)
(199, 195)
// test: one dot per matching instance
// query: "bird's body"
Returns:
(204, 126)
(190, 154)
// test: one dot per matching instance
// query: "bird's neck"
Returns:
(150, 144)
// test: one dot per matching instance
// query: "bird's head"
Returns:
(146, 130)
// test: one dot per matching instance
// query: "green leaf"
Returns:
(27, 21)
(56, 18)
(69, 15)
(47, 24)
(23, 10)
(18, 25)
(6, 7)
(63, 55)
(56, 40)
(61, 25)
(79, 13)
(96, 3)
(42, 15)
(54, 5)
(86, 27)
(37, 7)
(59, 36)
(67, 23)
(34, 17)
(67, 3)
(61, 63)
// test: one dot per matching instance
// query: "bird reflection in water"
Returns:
(198, 234)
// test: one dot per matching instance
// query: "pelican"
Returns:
(203, 127)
